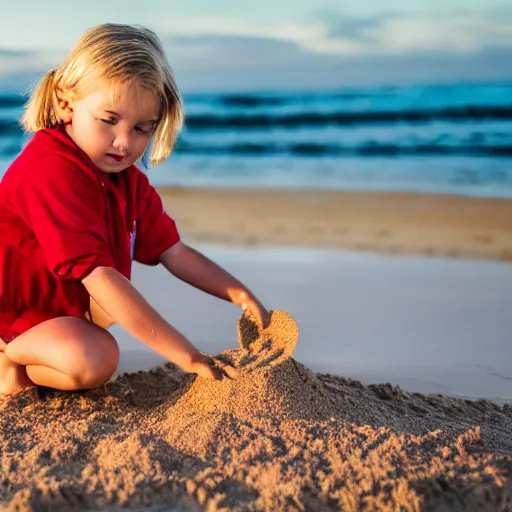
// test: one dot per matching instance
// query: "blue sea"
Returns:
(433, 138)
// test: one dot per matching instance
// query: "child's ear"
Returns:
(65, 105)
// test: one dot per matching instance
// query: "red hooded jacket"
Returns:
(61, 217)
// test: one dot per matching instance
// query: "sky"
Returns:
(268, 44)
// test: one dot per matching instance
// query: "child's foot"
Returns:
(13, 377)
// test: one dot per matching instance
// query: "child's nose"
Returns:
(122, 141)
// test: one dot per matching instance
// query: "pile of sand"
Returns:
(277, 438)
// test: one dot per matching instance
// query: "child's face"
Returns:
(114, 130)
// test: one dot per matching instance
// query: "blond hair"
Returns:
(118, 54)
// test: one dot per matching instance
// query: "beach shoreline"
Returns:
(433, 225)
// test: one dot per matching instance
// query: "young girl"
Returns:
(75, 211)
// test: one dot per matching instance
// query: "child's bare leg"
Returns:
(65, 353)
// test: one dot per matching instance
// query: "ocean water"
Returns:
(436, 138)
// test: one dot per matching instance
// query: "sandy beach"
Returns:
(390, 223)
(397, 396)
(279, 437)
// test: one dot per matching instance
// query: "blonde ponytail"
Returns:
(41, 109)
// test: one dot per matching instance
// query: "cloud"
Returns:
(359, 30)
(228, 51)
(9, 53)
(336, 49)
(400, 33)
(21, 61)
(332, 51)
(389, 33)
(306, 72)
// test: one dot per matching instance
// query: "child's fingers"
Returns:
(212, 370)
(217, 373)
(257, 313)
(226, 369)
(230, 372)
(249, 313)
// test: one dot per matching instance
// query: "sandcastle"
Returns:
(269, 380)
(267, 347)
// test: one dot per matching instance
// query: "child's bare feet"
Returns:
(13, 377)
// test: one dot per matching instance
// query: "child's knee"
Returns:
(92, 380)
(110, 352)
(98, 366)
(94, 376)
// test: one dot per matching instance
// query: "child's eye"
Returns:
(109, 121)
(139, 129)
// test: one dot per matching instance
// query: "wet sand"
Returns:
(280, 437)
(384, 222)
(429, 325)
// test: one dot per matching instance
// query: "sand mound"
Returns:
(277, 438)
(268, 347)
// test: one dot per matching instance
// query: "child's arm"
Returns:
(197, 270)
(121, 300)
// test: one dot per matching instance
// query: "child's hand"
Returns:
(254, 309)
(210, 368)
